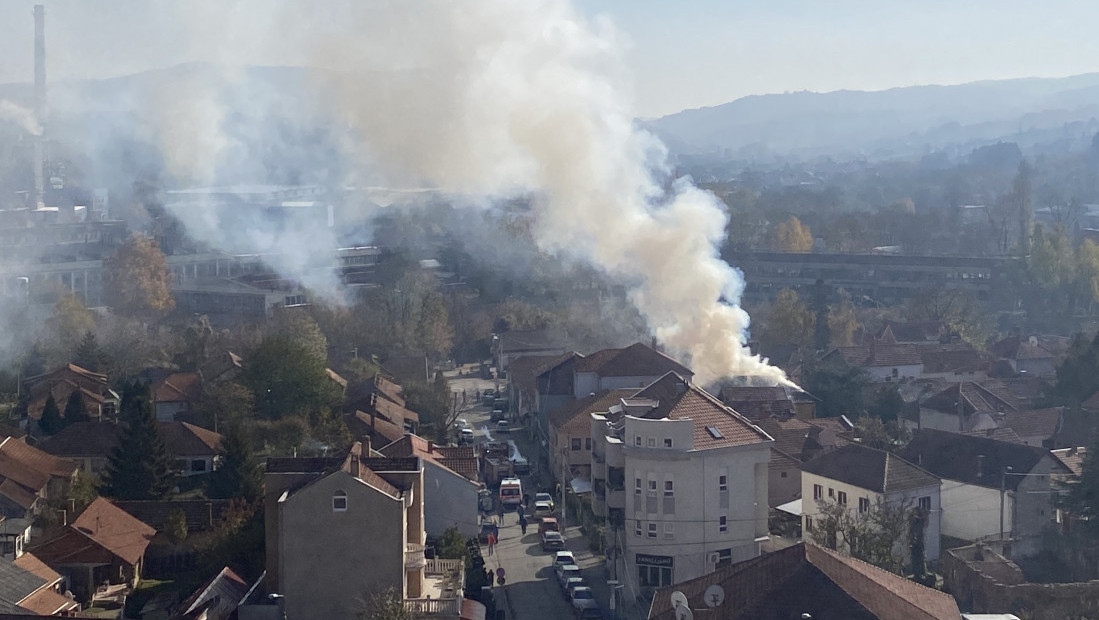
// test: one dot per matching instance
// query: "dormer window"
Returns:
(339, 501)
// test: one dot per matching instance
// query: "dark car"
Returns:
(552, 541)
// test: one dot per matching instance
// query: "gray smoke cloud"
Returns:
(24, 117)
(492, 99)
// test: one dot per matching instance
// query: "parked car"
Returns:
(582, 598)
(564, 573)
(503, 427)
(542, 510)
(552, 541)
(563, 558)
(548, 523)
(465, 435)
(590, 613)
(497, 415)
(544, 497)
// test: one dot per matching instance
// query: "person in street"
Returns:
(491, 543)
(523, 524)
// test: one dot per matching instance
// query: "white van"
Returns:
(511, 492)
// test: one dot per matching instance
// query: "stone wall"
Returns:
(983, 581)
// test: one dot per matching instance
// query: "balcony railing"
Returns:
(414, 556)
(434, 606)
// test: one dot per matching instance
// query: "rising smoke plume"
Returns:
(498, 98)
(24, 117)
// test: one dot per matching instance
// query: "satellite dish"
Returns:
(714, 596)
(679, 599)
(682, 612)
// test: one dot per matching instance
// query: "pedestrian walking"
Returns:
(523, 524)
(491, 543)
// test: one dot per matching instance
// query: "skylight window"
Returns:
(716, 434)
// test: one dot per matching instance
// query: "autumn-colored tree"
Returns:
(791, 322)
(137, 280)
(843, 321)
(71, 319)
(296, 324)
(792, 236)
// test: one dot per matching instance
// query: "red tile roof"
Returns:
(178, 387)
(36, 567)
(879, 355)
(636, 360)
(1039, 423)
(809, 579)
(32, 457)
(47, 602)
(678, 400)
(1071, 458)
(574, 418)
(222, 594)
(97, 439)
(758, 403)
(114, 529)
(461, 460)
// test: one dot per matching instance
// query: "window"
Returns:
(669, 489)
(339, 501)
(818, 491)
(723, 523)
(587, 443)
(652, 486)
(864, 505)
(198, 465)
(652, 442)
(925, 503)
(637, 528)
(637, 487)
(808, 524)
(842, 499)
(723, 483)
(652, 530)
(724, 557)
(637, 440)
(669, 530)
(895, 373)
(667, 442)
(831, 493)
(783, 474)
(669, 498)
(576, 443)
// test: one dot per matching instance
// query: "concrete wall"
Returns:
(1034, 510)
(330, 561)
(885, 373)
(166, 411)
(971, 512)
(449, 500)
(783, 480)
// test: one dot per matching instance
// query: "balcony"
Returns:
(616, 498)
(414, 556)
(444, 581)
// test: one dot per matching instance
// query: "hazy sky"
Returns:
(683, 54)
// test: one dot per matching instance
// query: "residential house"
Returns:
(100, 402)
(523, 384)
(682, 482)
(862, 479)
(381, 397)
(89, 444)
(372, 429)
(796, 441)
(216, 599)
(912, 332)
(509, 345)
(165, 553)
(965, 406)
(953, 362)
(224, 367)
(759, 402)
(450, 497)
(576, 376)
(28, 478)
(29, 587)
(883, 362)
(570, 438)
(987, 483)
(104, 545)
(1027, 355)
(805, 581)
(340, 529)
(177, 394)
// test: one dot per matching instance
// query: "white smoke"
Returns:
(525, 96)
(24, 117)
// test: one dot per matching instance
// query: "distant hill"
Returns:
(894, 122)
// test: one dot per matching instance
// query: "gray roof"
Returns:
(973, 459)
(867, 468)
(16, 584)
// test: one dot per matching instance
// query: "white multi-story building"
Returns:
(682, 481)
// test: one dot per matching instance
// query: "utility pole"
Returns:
(564, 481)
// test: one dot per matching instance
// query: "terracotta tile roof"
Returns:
(394, 412)
(867, 468)
(389, 389)
(461, 460)
(380, 430)
(371, 478)
(911, 331)
(47, 602)
(201, 514)
(951, 358)
(335, 376)
(73, 368)
(33, 565)
(114, 529)
(523, 372)
(18, 493)
(989, 396)
(34, 458)
(178, 387)
(805, 578)
(20, 479)
(879, 355)
(954, 456)
(574, 418)
(1040, 423)
(678, 400)
(97, 439)
(801, 439)
(1071, 458)
(221, 594)
(636, 360)
(758, 403)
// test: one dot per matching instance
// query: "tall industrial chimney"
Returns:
(39, 103)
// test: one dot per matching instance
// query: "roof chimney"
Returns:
(355, 465)
(980, 466)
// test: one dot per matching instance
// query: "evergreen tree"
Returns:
(74, 409)
(88, 354)
(51, 421)
(139, 466)
(239, 474)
